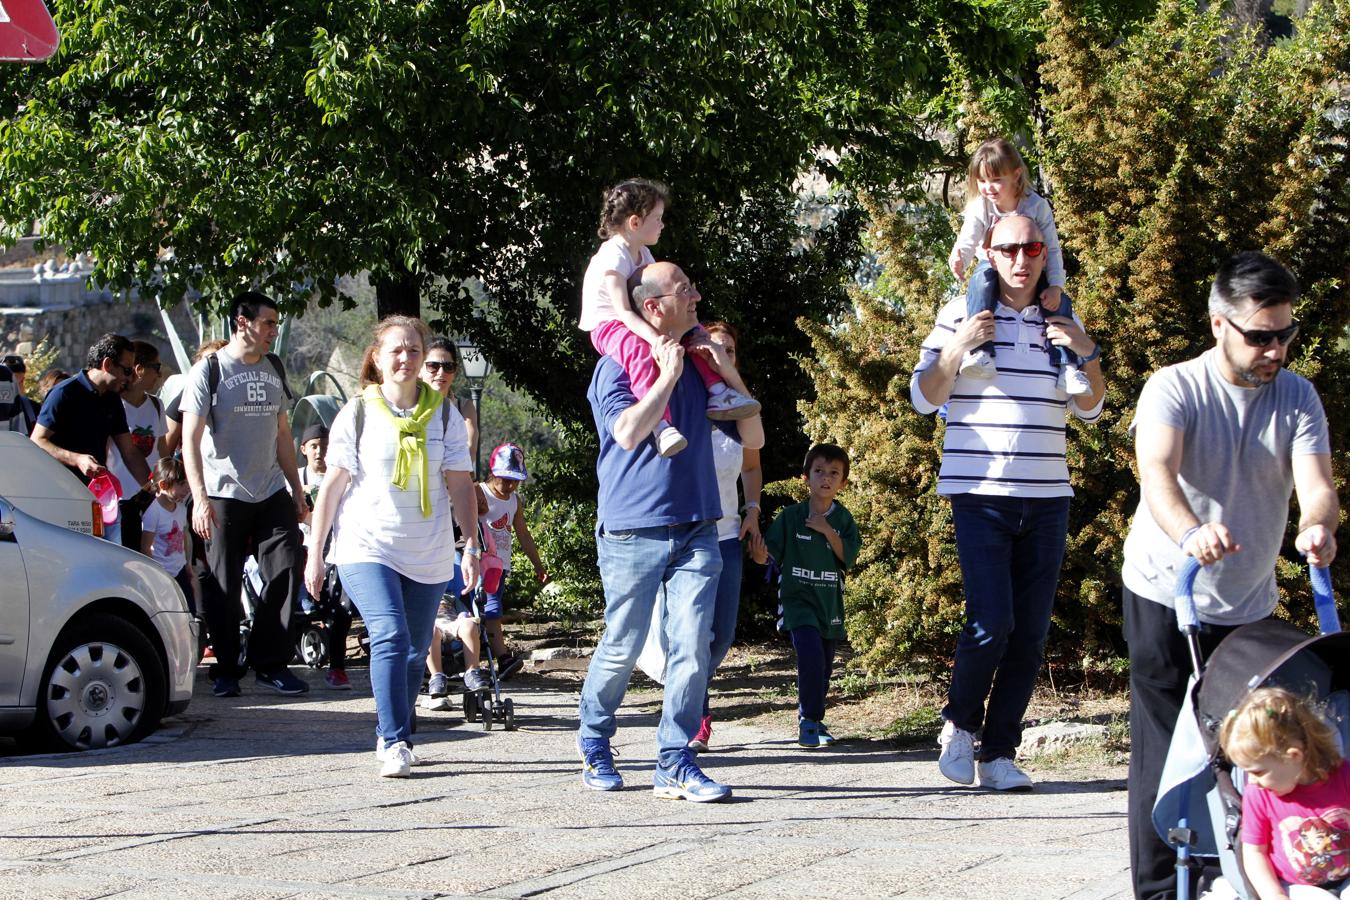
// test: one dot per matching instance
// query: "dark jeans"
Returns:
(1011, 549)
(1160, 664)
(269, 529)
(815, 664)
(982, 294)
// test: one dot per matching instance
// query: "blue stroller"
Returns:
(1199, 806)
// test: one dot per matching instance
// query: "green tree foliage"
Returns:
(1166, 151)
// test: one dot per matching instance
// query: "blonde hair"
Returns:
(370, 373)
(1272, 720)
(997, 157)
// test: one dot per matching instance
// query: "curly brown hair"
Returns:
(634, 197)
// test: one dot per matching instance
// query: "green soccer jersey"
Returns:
(811, 583)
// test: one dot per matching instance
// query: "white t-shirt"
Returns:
(170, 531)
(728, 459)
(376, 521)
(597, 307)
(501, 513)
(146, 425)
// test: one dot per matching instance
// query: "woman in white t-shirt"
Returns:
(405, 458)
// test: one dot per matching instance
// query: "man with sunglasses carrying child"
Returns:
(1003, 468)
(1221, 440)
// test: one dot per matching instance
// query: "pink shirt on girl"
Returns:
(1307, 830)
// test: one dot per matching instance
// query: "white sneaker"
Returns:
(978, 364)
(396, 760)
(1073, 381)
(435, 704)
(414, 759)
(731, 404)
(1003, 775)
(957, 762)
(669, 441)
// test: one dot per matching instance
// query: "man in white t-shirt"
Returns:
(146, 426)
(1222, 440)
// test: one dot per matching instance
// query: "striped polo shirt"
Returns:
(1005, 435)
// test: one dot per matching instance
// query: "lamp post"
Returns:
(476, 370)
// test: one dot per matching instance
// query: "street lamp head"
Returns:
(476, 365)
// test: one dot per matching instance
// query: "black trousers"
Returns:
(1160, 664)
(270, 531)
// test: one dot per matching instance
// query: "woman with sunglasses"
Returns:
(999, 185)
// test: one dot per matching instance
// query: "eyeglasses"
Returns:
(1032, 249)
(683, 290)
(440, 366)
(1261, 337)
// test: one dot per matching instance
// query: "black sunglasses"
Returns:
(439, 366)
(1032, 249)
(1260, 337)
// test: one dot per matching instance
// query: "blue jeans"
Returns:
(815, 664)
(1011, 549)
(400, 615)
(682, 561)
(725, 607)
(982, 294)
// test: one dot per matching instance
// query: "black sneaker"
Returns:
(283, 682)
(225, 686)
(508, 664)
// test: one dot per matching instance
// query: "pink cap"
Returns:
(107, 490)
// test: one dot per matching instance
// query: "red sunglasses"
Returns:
(1032, 249)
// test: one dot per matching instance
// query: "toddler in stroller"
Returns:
(461, 631)
(1201, 803)
(1296, 805)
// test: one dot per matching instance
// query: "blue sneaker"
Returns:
(823, 734)
(597, 765)
(808, 734)
(683, 780)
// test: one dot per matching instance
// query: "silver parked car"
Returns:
(96, 641)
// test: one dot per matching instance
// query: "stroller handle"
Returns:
(1183, 597)
(1324, 597)
(1328, 622)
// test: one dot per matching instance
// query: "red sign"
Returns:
(27, 32)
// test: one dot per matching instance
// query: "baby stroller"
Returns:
(487, 705)
(1199, 806)
(331, 609)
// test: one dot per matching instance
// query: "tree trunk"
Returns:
(398, 296)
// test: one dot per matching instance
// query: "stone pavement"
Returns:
(263, 796)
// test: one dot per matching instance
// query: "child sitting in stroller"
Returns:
(1296, 807)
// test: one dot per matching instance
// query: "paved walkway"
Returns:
(260, 797)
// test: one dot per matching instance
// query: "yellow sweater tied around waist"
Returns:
(412, 436)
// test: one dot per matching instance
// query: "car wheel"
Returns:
(103, 685)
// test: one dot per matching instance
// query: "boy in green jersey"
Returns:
(813, 544)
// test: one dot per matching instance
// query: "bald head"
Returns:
(1017, 248)
(665, 297)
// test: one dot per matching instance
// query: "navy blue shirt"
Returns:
(639, 488)
(81, 419)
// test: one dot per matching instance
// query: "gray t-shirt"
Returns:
(1236, 468)
(239, 447)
